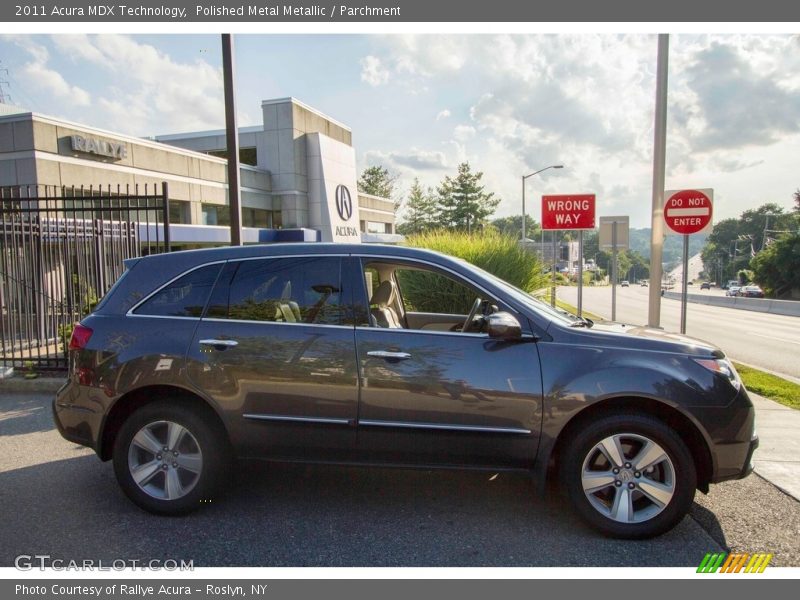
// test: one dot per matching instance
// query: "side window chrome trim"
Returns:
(131, 310)
(484, 336)
(253, 322)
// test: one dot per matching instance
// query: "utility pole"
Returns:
(659, 160)
(232, 141)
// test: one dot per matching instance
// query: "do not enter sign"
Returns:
(688, 211)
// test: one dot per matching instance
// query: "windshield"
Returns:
(526, 299)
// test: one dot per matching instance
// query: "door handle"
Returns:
(219, 344)
(389, 355)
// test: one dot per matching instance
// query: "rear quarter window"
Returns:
(185, 297)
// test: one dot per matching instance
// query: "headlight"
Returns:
(722, 366)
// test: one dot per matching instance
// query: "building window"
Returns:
(216, 214)
(387, 228)
(178, 211)
(247, 156)
(374, 227)
(263, 219)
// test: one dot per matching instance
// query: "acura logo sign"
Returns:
(344, 203)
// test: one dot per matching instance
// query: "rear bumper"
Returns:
(77, 418)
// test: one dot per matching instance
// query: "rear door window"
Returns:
(280, 290)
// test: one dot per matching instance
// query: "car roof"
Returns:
(204, 255)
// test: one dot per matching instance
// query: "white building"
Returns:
(293, 166)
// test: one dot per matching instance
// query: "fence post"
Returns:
(165, 193)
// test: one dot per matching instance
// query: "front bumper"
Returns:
(748, 465)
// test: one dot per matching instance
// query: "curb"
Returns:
(31, 386)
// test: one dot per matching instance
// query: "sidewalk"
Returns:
(777, 458)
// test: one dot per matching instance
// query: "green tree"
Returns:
(513, 226)
(735, 241)
(420, 214)
(777, 267)
(463, 203)
(797, 201)
(379, 181)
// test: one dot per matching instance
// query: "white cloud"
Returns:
(151, 93)
(40, 76)
(443, 114)
(373, 72)
(414, 158)
(462, 133)
(587, 101)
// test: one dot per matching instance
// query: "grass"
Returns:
(770, 386)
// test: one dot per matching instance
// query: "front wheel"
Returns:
(169, 459)
(629, 476)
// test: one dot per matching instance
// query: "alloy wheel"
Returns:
(165, 460)
(628, 478)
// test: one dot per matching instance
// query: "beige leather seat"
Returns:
(381, 310)
(288, 309)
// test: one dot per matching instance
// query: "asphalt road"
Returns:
(59, 499)
(771, 342)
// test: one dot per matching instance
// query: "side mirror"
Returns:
(503, 326)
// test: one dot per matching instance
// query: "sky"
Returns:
(421, 104)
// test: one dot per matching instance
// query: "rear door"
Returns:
(276, 352)
(431, 393)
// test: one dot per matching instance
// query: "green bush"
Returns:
(492, 251)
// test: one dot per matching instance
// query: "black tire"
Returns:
(651, 519)
(205, 439)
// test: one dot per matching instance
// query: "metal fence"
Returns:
(62, 249)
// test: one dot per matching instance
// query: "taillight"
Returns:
(80, 337)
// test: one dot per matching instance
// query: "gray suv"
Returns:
(382, 355)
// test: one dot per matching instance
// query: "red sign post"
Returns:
(687, 212)
(568, 211)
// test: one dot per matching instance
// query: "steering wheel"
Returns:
(471, 316)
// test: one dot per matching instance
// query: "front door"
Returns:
(274, 351)
(442, 393)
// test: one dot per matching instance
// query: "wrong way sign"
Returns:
(688, 211)
(568, 211)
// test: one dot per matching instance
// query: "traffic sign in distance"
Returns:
(688, 211)
(606, 236)
(568, 211)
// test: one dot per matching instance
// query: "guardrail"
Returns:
(776, 307)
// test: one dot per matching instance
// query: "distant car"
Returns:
(733, 290)
(689, 283)
(730, 283)
(751, 291)
(643, 283)
(705, 285)
(625, 283)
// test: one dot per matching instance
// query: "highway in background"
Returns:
(770, 342)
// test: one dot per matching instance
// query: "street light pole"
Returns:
(524, 177)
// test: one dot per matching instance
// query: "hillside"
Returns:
(673, 245)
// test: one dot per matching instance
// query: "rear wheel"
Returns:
(630, 476)
(169, 459)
